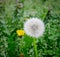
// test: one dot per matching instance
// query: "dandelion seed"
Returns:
(34, 27)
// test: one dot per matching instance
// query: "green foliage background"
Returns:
(13, 14)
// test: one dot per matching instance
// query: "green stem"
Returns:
(35, 47)
(45, 14)
(21, 46)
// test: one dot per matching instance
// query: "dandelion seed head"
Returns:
(34, 27)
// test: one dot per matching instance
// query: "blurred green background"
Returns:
(13, 14)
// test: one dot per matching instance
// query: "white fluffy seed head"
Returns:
(34, 27)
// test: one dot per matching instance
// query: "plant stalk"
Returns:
(35, 47)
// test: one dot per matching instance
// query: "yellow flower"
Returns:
(20, 32)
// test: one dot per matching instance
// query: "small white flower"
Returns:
(34, 27)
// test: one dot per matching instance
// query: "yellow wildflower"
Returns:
(20, 32)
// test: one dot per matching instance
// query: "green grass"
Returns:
(13, 14)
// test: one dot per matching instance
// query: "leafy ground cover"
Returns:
(13, 14)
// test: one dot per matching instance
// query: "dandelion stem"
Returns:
(35, 47)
